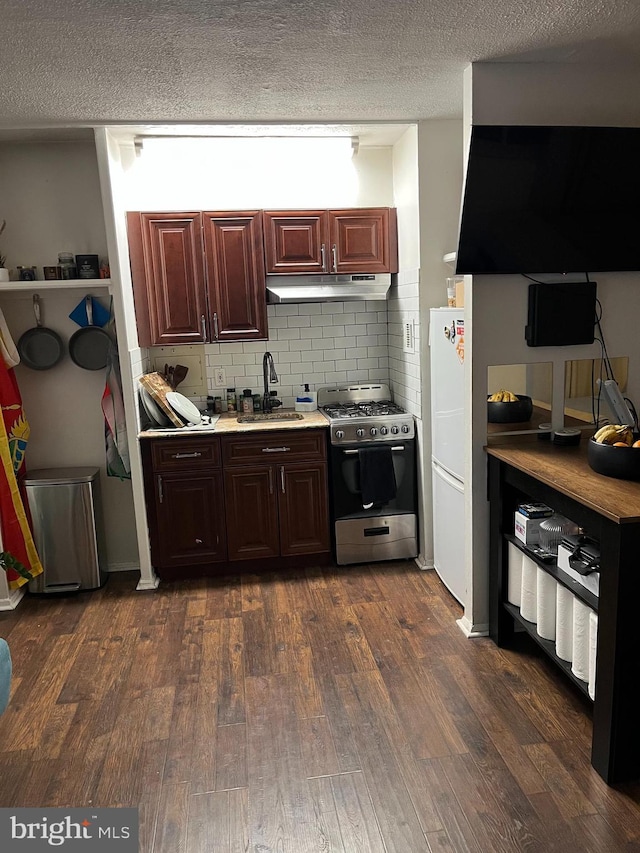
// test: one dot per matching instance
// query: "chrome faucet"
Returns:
(269, 375)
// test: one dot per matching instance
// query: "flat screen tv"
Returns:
(551, 200)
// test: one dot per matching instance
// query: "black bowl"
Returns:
(510, 413)
(623, 463)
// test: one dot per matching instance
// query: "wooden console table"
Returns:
(609, 510)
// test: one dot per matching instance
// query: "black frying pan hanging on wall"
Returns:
(89, 346)
(40, 348)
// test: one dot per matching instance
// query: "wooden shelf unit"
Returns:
(609, 510)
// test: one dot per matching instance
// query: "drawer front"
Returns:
(276, 446)
(180, 453)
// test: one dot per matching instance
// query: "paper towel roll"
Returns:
(593, 648)
(546, 604)
(564, 623)
(514, 582)
(580, 662)
(528, 590)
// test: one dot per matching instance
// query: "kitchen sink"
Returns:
(270, 416)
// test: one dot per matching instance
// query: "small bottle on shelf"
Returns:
(247, 401)
(231, 399)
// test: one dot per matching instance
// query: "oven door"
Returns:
(346, 498)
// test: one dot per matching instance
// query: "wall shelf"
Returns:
(57, 284)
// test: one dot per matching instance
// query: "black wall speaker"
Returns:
(561, 314)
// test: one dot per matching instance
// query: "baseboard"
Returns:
(13, 599)
(123, 567)
(148, 583)
(472, 631)
(423, 564)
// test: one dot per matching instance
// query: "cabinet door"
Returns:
(303, 508)
(235, 276)
(251, 512)
(363, 240)
(191, 521)
(296, 241)
(167, 269)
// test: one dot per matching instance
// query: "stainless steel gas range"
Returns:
(372, 474)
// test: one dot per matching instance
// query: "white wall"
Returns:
(51, 201)
(504, 93)
(255, 174)
(439, 182)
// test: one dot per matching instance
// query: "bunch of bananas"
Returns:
(503, 396)
(613, 434)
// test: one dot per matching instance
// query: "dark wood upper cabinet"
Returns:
(235, 273)
(364, 240)
(167, 268)
(296, 242)
(359, 240)
(198, 277)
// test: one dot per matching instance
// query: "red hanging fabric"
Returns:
(17, 539)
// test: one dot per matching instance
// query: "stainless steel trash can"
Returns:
(66, 511)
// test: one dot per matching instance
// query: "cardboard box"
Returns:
(527, 530)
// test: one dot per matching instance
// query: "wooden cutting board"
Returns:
(157, 386)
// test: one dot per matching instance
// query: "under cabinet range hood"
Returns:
(328, 288)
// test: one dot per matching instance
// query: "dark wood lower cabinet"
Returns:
(252, 513)
(277, 510)
(303, 508)
(213, 503)
(191, 523)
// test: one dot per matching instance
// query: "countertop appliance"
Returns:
(370, 434)
(446, 340)
(328, 288)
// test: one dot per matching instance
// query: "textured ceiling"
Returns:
(117, 61)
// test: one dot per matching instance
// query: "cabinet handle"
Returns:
(203, 323)
(335, 258)
(160, 492)
(323, 258)
(282, 479)
(270, 481)
(275, 449)
(198, 541)
(193, 455)
(215, 326)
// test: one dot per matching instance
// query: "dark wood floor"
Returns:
(336, 710)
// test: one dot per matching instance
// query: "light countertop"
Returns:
(227, 423)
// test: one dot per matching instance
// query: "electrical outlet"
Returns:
(219, 377)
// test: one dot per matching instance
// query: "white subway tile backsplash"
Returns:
(288, 334)
(310, 308)
(327, 343)
(313, 332)
(367, 340)
(334, 354)
(298, 322)
(356, 352)
(333, 332)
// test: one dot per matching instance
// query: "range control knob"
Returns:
(383, 430)
(339, 433)
(359, 432)
(373, 431)
(405, 428)
(395, 430)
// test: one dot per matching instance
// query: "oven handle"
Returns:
(351, 452)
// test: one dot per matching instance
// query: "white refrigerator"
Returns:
(446, 341)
